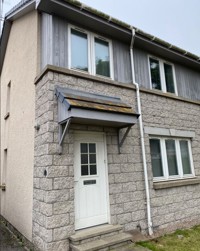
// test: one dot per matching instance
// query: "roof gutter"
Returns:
(149, 221)
(4, 40)
(20, 9)
(26, 5)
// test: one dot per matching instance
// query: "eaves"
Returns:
(96, 20)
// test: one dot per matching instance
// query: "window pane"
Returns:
(84, 148)
(156, 158)
(93, 170)
(84, 159)
(171, 157)
(155, 74)
(79, 50)
(92, 148)
(169, 78)
(102, 57)
(84, 170)
(185, 157)
(92, 158)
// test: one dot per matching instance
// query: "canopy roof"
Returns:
(88, 108)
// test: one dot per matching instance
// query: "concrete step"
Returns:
(104, 243)
(95, 232)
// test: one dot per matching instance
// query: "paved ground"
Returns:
(7, 241)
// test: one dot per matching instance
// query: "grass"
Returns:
(181, 240)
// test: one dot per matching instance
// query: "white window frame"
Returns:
(91, 52)
(162, 75)
(163, 151)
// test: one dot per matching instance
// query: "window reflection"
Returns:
(185, 157)
(79, 50)
(169, 78)
(155, 74)
(102, 57)
(171, 157)
(156, 157)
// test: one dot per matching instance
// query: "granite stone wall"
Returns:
(53, 209)
(174, 207)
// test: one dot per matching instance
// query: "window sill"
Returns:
(7, 116)
(175, 183)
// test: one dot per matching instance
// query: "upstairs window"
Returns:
(171, 158)
(79, 50)
(162, 75)
(102, 58)
(90, 53)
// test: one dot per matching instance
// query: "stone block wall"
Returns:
(53, 210)
(174, 207)
(53, 201)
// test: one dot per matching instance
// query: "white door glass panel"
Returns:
(88, 159)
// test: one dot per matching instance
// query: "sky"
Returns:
(175, 21)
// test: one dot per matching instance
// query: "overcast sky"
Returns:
(175, 21)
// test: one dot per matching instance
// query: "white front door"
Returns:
(91, 193)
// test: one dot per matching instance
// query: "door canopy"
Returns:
(88, 108)
(80, 107)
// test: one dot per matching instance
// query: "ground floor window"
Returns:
(171, 158)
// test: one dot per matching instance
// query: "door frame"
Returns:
(103, 134)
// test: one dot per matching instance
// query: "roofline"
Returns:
(21, 9)
(167, 45)
(27, 5)
(139, 32)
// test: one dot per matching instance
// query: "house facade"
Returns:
(99, 126)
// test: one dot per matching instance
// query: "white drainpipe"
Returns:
(150, 230)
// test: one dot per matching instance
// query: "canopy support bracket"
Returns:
(120, 142)
(63, 133)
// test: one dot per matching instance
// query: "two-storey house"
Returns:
(100, 128)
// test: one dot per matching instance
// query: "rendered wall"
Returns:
(17, 131)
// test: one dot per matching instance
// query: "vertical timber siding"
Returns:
(141, 68)
(46, 40)
(55, 48)
(60, 42)
(187, 80)
(122, 63)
